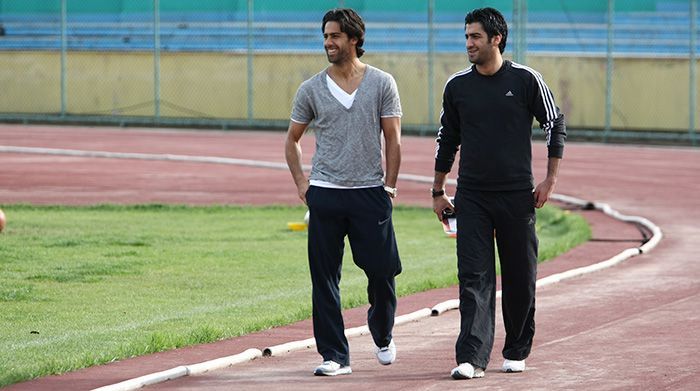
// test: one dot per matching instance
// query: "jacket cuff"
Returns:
(555, 151)
(443, 165)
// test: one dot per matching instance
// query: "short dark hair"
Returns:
(350, 23)
(493, 21)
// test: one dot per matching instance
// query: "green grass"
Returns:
(81, 286)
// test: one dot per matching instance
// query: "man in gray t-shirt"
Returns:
(352, 105)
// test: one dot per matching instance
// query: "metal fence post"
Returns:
(431, 64)
(609, 72)
(516, 25)
(522, 31)
(519, 22)
(250, 60)
(156, 58)
(692, 59)
(64, 48)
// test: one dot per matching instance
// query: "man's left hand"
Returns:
(542, 192)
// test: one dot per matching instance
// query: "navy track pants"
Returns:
(364, 216)
(512, 215)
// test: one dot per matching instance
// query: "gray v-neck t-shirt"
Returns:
(348, 140)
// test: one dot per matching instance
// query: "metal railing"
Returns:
(213, 64)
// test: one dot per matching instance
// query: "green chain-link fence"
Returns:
(619, 69)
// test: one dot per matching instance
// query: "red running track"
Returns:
(633, 326)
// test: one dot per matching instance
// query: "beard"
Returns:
(476, 60)
(340, 56)
(480, 57)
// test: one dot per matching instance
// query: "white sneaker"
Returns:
(331, 368)
(467, 371)
(387, 354)
(513, 365)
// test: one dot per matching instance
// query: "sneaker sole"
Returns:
(341, 371)
(513, 368)
(477, 374)
(386, 362)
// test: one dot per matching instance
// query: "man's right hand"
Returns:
(440, 204)
(302, 188)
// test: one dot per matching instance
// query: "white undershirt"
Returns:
(343, 97)
(329, 185)
(346, 100)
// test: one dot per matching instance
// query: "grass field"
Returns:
(80, 286)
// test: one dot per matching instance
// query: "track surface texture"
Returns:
(632, 326)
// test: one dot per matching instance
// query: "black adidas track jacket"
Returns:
(490, 119)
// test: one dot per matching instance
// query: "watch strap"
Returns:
(437, 193)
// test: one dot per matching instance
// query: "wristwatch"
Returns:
(391, 190)
(437, 193)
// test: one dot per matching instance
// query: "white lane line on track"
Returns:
(144, 156)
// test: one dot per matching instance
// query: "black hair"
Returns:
(350, 23)
(493, 22)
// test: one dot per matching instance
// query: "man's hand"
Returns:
(440, 204)
(543, 191)
(302, 188)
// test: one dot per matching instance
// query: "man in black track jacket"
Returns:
(488, 112)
